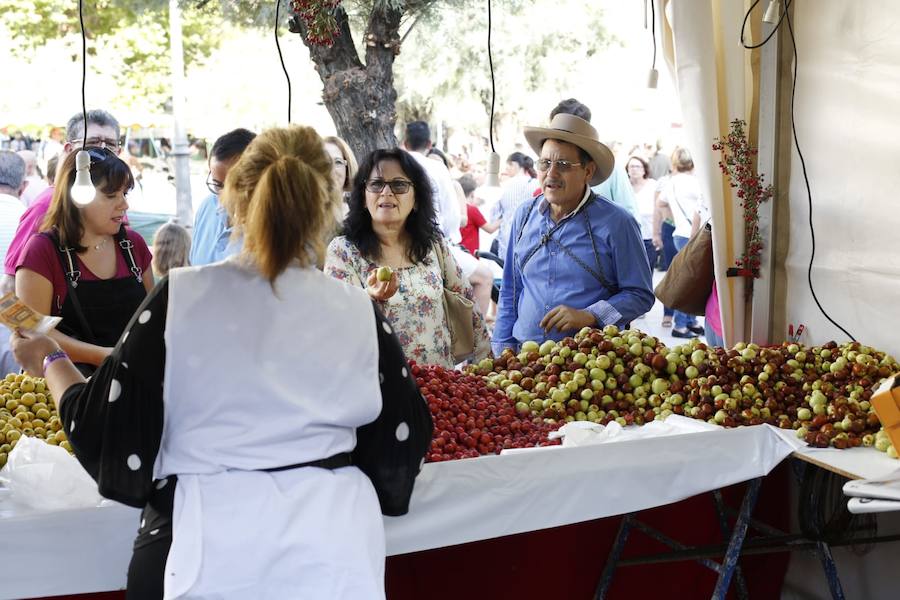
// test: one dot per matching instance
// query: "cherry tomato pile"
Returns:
(471, 419)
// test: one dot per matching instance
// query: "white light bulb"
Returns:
(493, 171)
(772, 14)
(652, 78)
(83, 191)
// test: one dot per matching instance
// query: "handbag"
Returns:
(458, 310)
(688, 281)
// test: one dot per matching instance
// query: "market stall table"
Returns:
(453, 503)
(854, 463)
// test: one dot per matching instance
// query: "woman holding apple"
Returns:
(236, 504)
(392, 224)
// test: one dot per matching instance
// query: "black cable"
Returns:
(653, 29)
(812, 231)
(83, 73)
(784, 12)
(493, 85)
(281, 57)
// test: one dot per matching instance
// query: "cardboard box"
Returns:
(886, 401)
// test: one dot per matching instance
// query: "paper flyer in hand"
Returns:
(15, 315)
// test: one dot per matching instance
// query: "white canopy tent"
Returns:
(848, 84)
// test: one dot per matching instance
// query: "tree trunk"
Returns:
(360, 98)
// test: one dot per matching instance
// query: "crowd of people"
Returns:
(309, 279)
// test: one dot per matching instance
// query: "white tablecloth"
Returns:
(456, 502)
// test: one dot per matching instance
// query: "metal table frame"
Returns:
(771, 540)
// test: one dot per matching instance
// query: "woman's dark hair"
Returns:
(529, 167)
(109, 173)
(643, 164)
(421, 224)
(526, 163)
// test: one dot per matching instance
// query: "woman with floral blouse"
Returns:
(392, 223)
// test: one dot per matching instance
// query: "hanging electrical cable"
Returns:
(82, 190)
(281, 57)
(787, 5)
(812, 231)
(653, 77)
(493, 170)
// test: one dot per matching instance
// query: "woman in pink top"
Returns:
(85, 266)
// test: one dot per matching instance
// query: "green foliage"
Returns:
(444, 60)
(130, 39)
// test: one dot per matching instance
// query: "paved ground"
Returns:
(651, 323)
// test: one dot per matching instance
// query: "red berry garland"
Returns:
(737, 162)
(321, 25)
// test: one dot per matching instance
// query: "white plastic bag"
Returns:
(45, 477)
(584, 433)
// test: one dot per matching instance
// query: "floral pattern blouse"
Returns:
(416, 311)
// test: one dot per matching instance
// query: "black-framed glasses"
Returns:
(398, 186)
(213, 185)
(544, 164)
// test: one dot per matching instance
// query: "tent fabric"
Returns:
(847, 86)
(715, 85)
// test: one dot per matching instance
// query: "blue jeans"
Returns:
(652, 254)
(682, 320)
(668, 253)
(713, 338)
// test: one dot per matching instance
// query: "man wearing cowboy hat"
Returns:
(574, 259)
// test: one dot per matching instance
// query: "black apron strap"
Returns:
(125, 247)
(72, 274)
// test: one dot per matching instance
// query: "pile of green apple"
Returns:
(606, 375)
(27, 409)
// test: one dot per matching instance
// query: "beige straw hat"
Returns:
(577, 131)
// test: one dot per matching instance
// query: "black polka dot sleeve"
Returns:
(114, 421)
(391, 449)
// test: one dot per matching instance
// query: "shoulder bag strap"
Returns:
(439, 253)
(681, 208)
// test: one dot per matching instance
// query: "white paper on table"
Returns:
(872, 505)
(884, 488)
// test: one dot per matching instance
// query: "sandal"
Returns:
(667, 321)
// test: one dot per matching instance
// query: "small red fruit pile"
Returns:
(471, 419)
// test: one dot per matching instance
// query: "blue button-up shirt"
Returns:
(211, 238)
(552, 278)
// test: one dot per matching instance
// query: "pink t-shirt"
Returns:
(713, 319)
(41, 256)
(29, 224)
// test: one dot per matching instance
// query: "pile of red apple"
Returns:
(473, 418)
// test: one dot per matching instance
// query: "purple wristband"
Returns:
(52, 357)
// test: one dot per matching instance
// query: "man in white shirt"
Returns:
(35, 183)
(450, 215)
(12, 183)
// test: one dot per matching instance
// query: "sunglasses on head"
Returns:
(100, 154)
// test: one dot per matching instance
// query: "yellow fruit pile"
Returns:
(27, 408)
